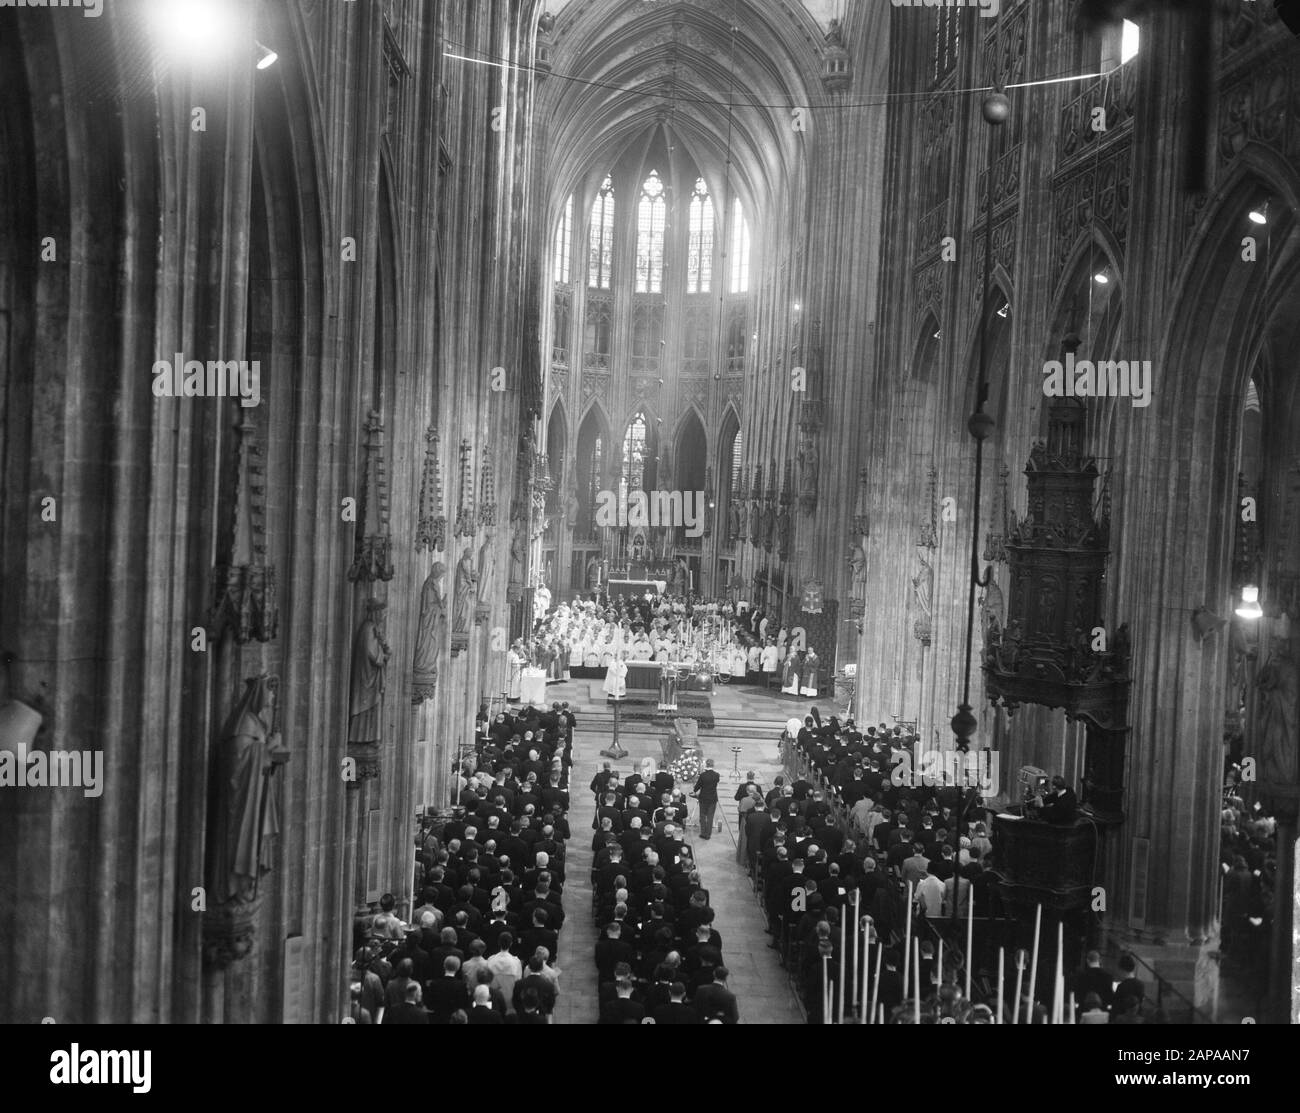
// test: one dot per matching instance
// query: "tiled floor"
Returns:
(757, 977)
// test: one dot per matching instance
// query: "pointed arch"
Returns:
(591, 468)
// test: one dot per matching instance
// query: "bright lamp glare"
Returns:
(1101, 278)
(192, 30)
(1250, 607)
(1129, 42)
(1258, 216)
(266, 57)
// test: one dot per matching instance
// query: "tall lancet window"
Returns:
(739, 250)
(564, 242)
(699, 257)
(651, 215)
(600, 240)
(634, 454)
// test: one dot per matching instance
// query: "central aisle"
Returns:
(757, 978)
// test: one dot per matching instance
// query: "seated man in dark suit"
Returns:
(676, 1010)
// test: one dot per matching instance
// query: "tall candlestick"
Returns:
(907, 940)
(1033, 962)
(939, 964)
(970, 928)
(997, 1017)
(1069, 1019)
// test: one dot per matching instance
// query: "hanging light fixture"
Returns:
(1259, 214)
(266, 57)
(1250, 607)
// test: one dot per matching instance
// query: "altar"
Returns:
(643, 675)
(532, 687)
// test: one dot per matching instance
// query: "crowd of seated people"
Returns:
(481, 945)
(1248, 861)
(849, 835)
(658, 957)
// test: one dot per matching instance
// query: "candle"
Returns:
(826, 991)
(844, 926)
(970, 927)
(1070, 1016)
(939, 964)
(1033, 962)
(997, 1017)
(1020, 973)
(916, 982)
(857, 970)
(907, 940)
(840, 994)
(875, 993)
(1058, 983)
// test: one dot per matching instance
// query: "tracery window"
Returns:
(699, 255)
(564, 243)
(634, 454)
(600, 239)
(739, 250)
(651, 217)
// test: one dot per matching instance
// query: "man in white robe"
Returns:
(615, 686)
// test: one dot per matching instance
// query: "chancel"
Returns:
(705, 511)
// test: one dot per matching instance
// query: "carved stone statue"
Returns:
(991, 606)
(1278, 683)
(858, 562)
(835, 34)
(518, 557)
(466, 589)
(431, 636)
(370, 656)
(487, 565)
(923, 592)
(571, 502)
(246, 811)
(808, 475)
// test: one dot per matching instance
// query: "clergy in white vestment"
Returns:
(615, 686)
(768, 659)
(515, 667)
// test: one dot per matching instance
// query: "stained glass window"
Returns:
(634, 454)
(699, 259)
(651, 215)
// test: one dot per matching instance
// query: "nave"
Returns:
(763, 990)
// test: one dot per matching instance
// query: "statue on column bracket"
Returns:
(487, 563)
(432, 635)
(808, 475)
(1277, 683)
(466, 592)
(245, 821)
(370, 656)
(923, 590)
(858, 562)
(518, 563)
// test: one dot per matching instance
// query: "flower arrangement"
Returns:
(686, 767)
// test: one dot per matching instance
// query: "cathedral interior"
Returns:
(966, 333)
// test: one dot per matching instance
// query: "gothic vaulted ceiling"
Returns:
(720, 75)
